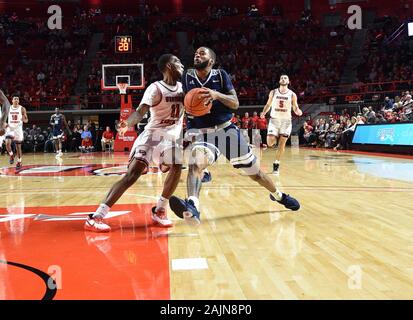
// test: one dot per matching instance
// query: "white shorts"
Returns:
(280, 127)
(15, 134)
(156, 147)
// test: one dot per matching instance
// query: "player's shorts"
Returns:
(157, 147)
(280, 127)
(227, 141)
(58, 134)
(15, 134)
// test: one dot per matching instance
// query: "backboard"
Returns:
(132, 74)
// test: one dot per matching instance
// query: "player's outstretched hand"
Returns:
(123, 127)
(299, 112)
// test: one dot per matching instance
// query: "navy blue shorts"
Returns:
(227, 141)
(57, 133)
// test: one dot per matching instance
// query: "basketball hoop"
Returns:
(122, 87)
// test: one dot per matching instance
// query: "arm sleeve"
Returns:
(226, 82)
(152, 96)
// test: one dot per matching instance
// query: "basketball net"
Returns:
(122, 87)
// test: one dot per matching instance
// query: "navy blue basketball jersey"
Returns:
(57, 121)
(217, 80)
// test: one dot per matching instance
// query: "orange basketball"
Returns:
(195, 104)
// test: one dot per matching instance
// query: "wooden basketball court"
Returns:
(352, 238)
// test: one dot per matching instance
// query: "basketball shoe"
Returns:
(11, 161)
(276, 168)
(159, 217)
(287, 201)
(96, 225)
(185, 209)
(207, 177)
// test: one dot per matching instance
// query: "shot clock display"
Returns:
(123, 44)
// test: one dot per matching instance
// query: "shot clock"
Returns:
(123, 44)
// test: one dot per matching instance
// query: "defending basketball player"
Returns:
(158, 142)
(280, 101)
(213, 133)
(57, 120)
(17, 115)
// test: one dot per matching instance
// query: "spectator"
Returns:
(33, 131)
(388, 103)
(107, 138)
(246, 121)
(347, 135)
(407, 107)
(254, 120)
(397, 103)
(87, 145)
(86, 133)
(235, 120)
(308, 133)
(253, 11)
(262, 125)
(75, 139)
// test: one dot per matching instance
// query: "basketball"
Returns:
(195, 104)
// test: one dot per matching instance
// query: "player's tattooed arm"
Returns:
(296, 109)
(24, 115)
(134, 118)
(269, 102)
(5, 108)
(230, 100)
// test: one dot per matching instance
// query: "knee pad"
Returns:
(203, 154)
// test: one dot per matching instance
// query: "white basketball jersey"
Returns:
(15, 119)
(281, 104)
(168, 110)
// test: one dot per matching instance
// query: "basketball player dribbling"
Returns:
(280, 101)
(17, 115)
(57, 120)
(213, 134)
(160, 137)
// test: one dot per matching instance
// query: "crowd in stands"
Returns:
(27, 71)
(255, 68)
(387, 56)
(251, 61)
(265, 47)
(336, 131)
